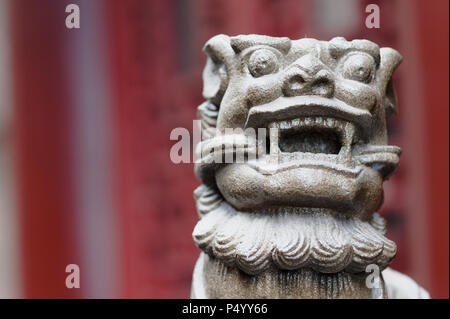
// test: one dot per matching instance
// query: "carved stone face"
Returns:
(329, 101)
(326, 155)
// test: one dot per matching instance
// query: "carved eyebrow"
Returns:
(242, 42)
(339, 47)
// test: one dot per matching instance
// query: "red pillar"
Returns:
(42, 151)
(434, 35)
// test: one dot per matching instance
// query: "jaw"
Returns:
(318, 153)
(312, 160)
(355, 191)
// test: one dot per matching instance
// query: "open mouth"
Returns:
(313, 137)
(310, 141)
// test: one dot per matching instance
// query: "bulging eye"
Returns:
(262, 62)
(359, 67)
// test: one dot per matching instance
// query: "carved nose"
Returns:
(301, 83)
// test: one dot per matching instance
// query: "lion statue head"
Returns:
(292, 160)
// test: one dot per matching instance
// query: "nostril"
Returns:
(323, 86)
(294, 84)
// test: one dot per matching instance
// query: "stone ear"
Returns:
(389, 61)
(218, 64)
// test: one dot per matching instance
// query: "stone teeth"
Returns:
(312, 121)
(274, 125)
(285, 125)
(349, 133)
(330, 122)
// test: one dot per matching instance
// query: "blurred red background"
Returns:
(91, 111)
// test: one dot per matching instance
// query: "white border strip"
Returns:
(9, 232)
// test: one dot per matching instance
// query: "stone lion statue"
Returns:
(293, 157)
